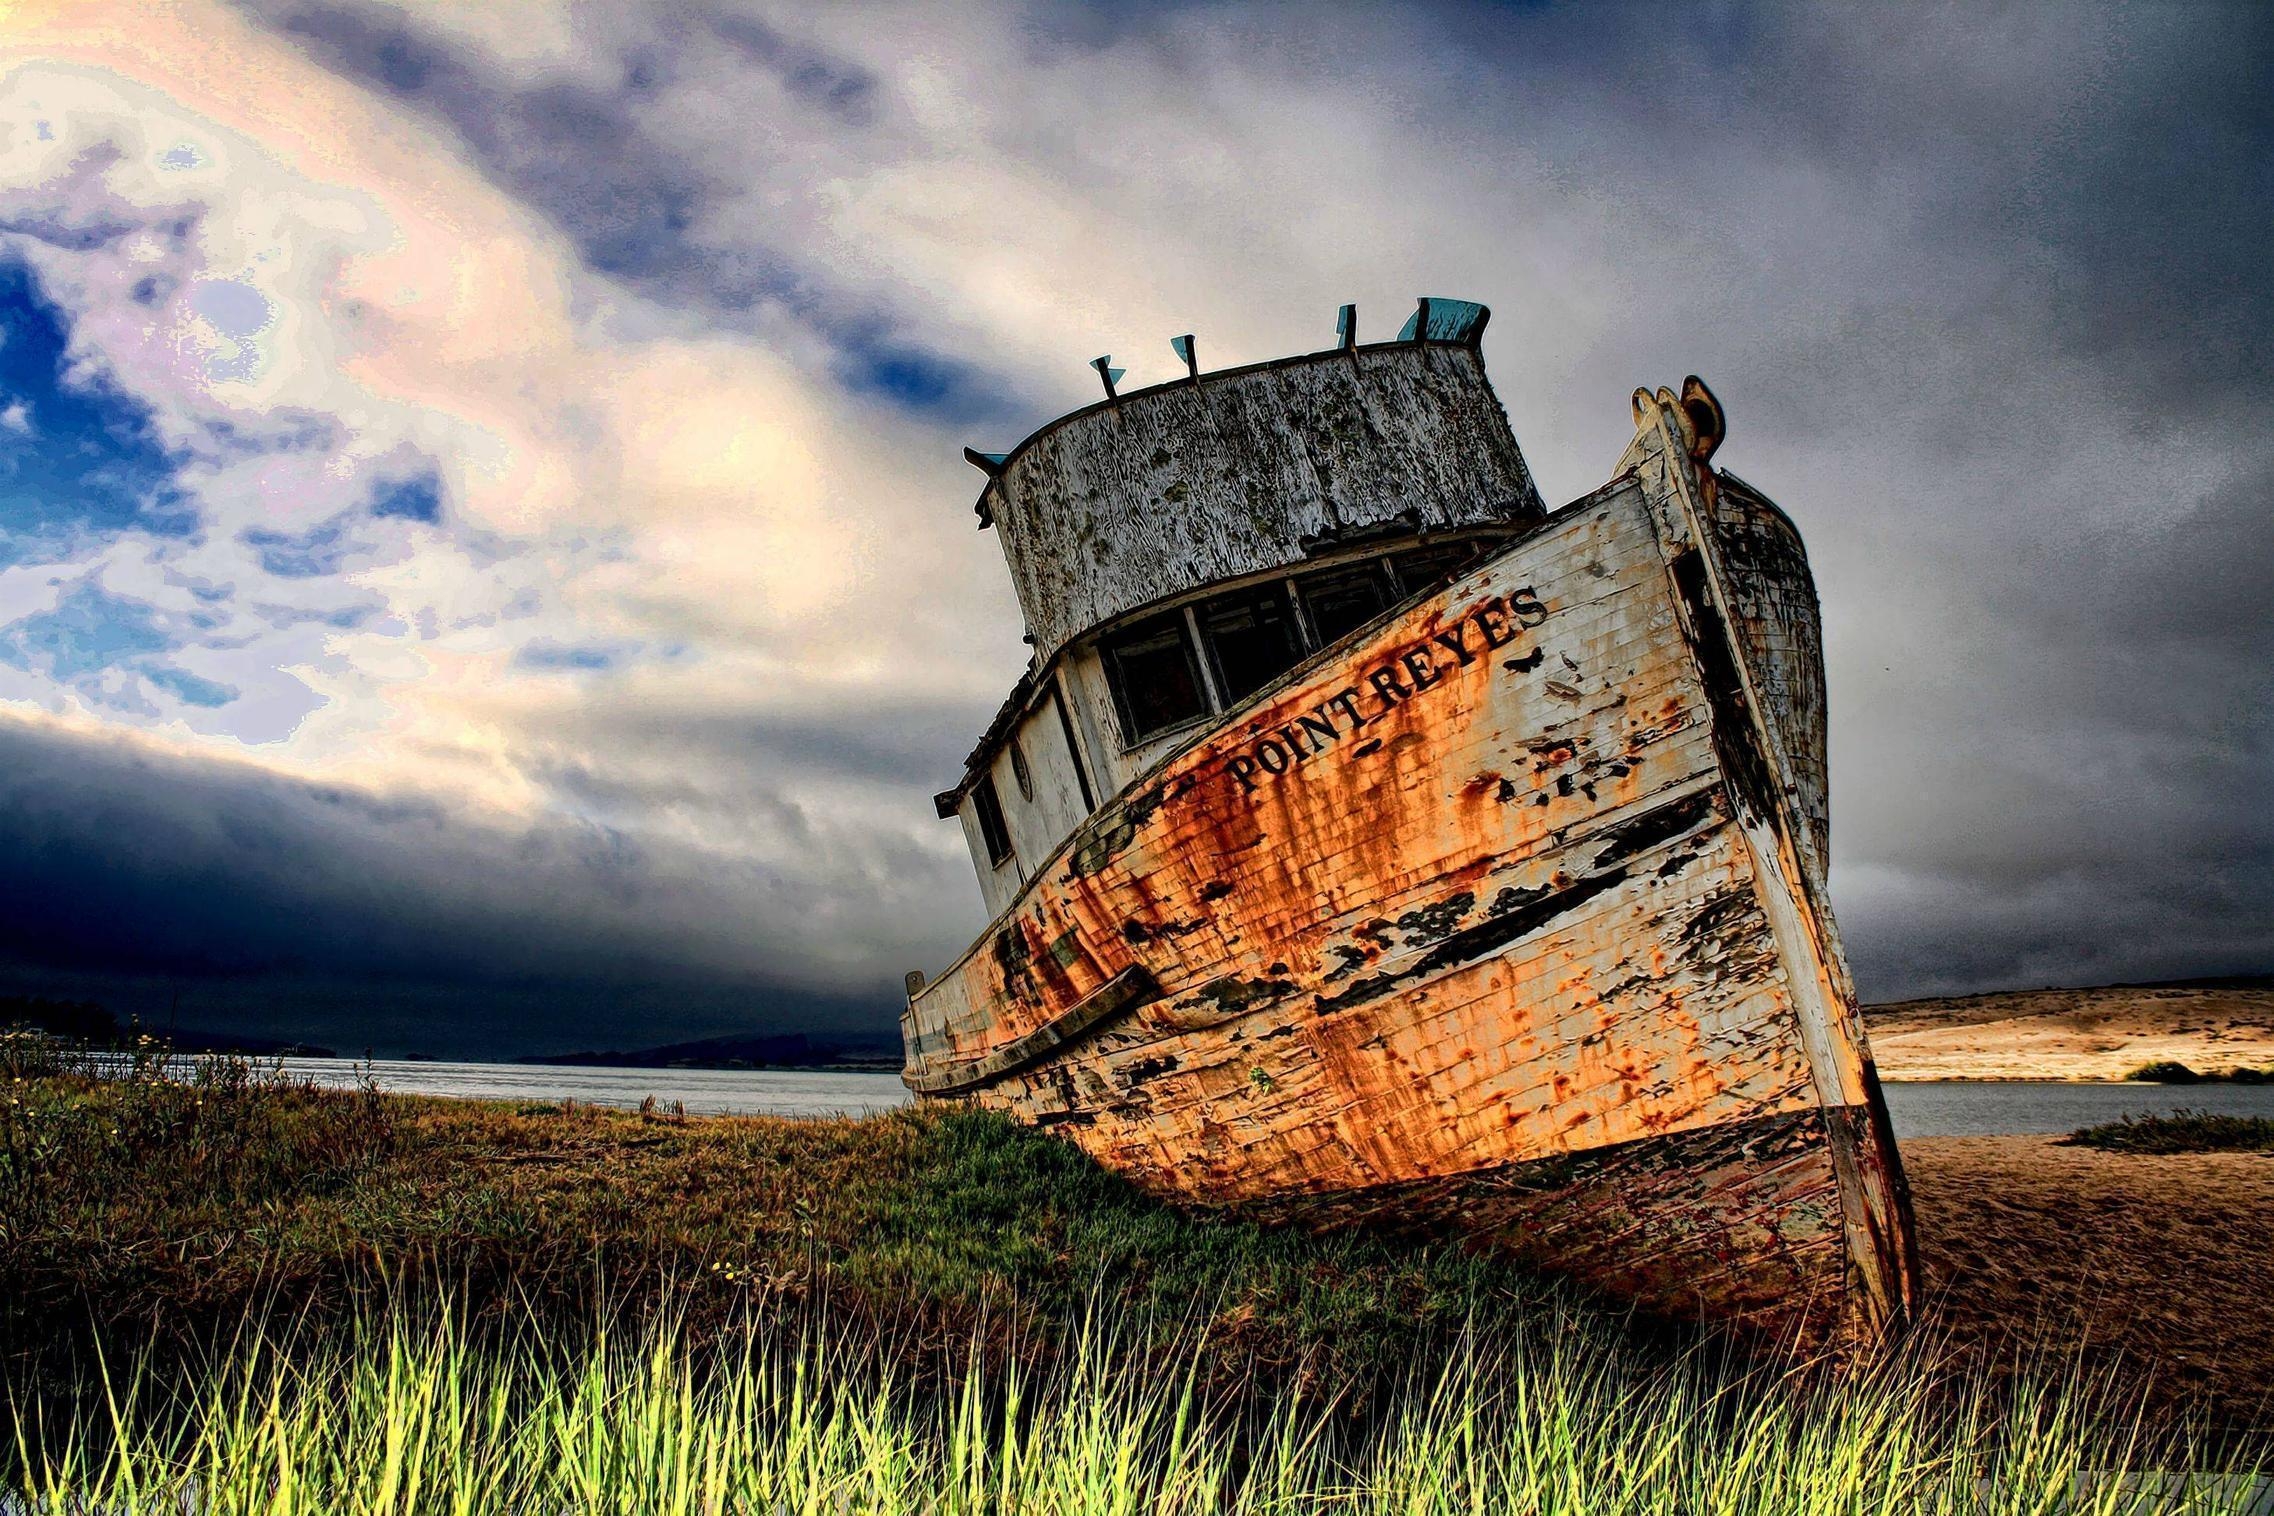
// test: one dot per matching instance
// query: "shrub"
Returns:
(2180, 1132)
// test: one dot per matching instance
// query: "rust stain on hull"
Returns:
(1502, 918)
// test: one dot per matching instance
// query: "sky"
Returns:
(486, 564)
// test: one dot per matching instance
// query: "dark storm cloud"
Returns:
(2070, 781)
(902, 743)
(121, 866)
(2094, 799)
(1987, 293)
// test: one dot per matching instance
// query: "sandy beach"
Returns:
(2162, 1265)
(2093, 1034)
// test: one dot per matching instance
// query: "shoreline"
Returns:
(2073, 1082)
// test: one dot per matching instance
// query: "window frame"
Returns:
(1300, 646)
(1463, 552)
(1287, 584)
(1021, 775)
(1196, 665)
(1376, 566)
(994, 826)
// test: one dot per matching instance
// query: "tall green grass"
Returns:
(409, 1413)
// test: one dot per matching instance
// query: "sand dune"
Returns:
(2075, 1034)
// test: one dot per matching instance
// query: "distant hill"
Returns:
(793, 1050)
(190, 1039)
(2214, 1025)
(84, 1021)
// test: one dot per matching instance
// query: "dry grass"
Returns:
(152, 1217)
(165, 1210)
(2179, 1132)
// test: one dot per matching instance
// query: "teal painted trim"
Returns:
(1449, 320)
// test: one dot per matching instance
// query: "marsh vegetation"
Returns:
(398, 1413)
(230, 1289)
(2179, 1132)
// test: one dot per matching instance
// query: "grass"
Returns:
(2179, 1132)
(169, 1210)
(403, 1413)
(2171, 1071)
(233, 1291)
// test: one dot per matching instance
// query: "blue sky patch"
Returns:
(910, 378)
(418, 498)
(299, 555)
(280, 431)
(78, 456)
(89, 630)
(345, 618)
(191, 689)
(590, 657)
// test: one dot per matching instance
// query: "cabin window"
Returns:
(988, 807)
(1344, 599)
(1156, 683)
(1428, 567)
(1020, 772)
(1251, 639)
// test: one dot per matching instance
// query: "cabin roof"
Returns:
(1164, 491)
(1452, 323)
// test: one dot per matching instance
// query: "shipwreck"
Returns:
(1366, 842)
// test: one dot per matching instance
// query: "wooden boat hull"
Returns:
(1502, 918)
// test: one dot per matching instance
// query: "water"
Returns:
(1986, 1109)
(705, 1092)
(2007, 1108)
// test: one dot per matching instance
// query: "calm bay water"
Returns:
(706, 1092)
(1987, 1109)
(2005, 1108)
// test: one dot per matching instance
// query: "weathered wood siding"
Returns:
(1038, 821)
(1674, 436)
(1454, 949)
(1171, 488)
(1780, 628)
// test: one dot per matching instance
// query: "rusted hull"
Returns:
(1502, 918)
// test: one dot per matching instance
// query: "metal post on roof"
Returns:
(1421, 320)
(1107, 372)
(1182, 347)
(1346, 328)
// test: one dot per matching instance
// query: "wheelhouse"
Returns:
(1173, 556)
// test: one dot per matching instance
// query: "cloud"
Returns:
(236, 877)
(541, 424)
